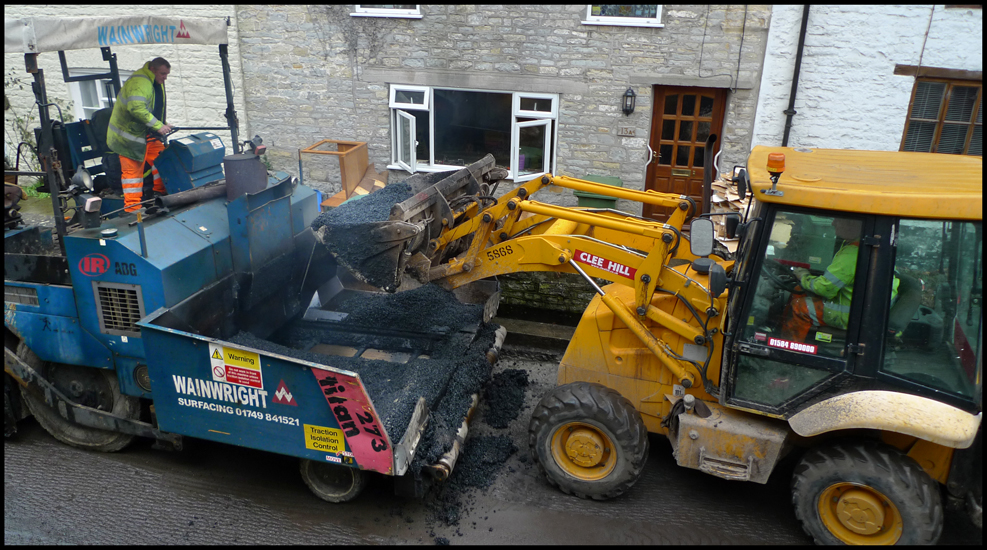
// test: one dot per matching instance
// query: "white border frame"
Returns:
(654, 22)
(410, 106)
(516, 149)
(359, 11)
(553, 113)
(412, 124)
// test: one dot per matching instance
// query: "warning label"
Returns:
(321, 438)
(235, 366)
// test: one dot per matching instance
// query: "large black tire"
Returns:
(333, 482)
(69, 432)
(866, 493)
(588, 440)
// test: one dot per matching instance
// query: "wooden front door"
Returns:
(682, 120)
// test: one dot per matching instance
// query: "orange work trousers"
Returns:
(134, 173)
(801, 314)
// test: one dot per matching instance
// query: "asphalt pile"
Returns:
(346, 232)
(454, 368)
(504, 397)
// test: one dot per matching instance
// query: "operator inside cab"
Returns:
(824, 300)
(134, 131)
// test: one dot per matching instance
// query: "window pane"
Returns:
(536, 104)
(620, 10)
(920, 136)
(702, 133)
(952, 138)
(961, 101)
(977, 142)
(816, 313)
(682, 156)
(665, 154)
(688, 105)
(705, 106)
(939, 272)
(668, 129)
(671, 102)
(468, 125)
(531, 158)
(90, 98)
(406, 139)
(928, 98)
(421, 131)
(685, 130)
(389, 6)
(700, 156)
(773, 382)
(409, 96)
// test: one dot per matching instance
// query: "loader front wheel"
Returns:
(588, 440)
(333, 482)
(92, 387)
(867, 493)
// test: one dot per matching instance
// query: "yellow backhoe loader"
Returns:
(846, 329)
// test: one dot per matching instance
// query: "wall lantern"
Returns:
(629, 96)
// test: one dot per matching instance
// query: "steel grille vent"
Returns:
(20, 295)
(119, 307)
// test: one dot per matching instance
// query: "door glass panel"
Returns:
(939, 265)
(682, 156)
(705, 106)
(803, 292)
(801, 304)
(688, 105)
(685, 130)
(702, 131)
(700, 157)
(668, 129)
(771, 382)
(665, 154)
(671, 102)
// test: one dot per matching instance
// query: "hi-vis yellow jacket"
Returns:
(132, 118)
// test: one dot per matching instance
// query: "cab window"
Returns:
(800, 309)
(934, 332)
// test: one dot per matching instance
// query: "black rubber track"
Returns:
(607, 409)
(886, 469)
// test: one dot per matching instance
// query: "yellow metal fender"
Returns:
(894, 412)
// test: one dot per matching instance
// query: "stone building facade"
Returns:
(318, 72)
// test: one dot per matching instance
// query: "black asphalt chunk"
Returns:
(504, 397)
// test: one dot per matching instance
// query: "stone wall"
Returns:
(196, 95)
(848, 95)
(315, 72)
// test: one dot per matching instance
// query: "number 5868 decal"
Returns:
(499, 253)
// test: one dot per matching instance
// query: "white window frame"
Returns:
(75, 90)
(396, 111)
(361, 11)
(516, 148)
(394, 104)
(412, 164)
(553, 113)
(654, 22)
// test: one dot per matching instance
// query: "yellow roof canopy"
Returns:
(927, 185)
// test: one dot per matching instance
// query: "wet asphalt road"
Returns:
(216, 494)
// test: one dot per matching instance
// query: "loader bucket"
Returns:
(376, 247)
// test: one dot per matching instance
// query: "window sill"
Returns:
(392, 16)
(627, 24)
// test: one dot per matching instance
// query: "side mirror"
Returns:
(717, 280)
(701, 237)
(743, 181)
(732, 223)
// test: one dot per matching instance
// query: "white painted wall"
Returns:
(196, 96)
(848, 96)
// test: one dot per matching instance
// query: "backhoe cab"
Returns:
(845, 333)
